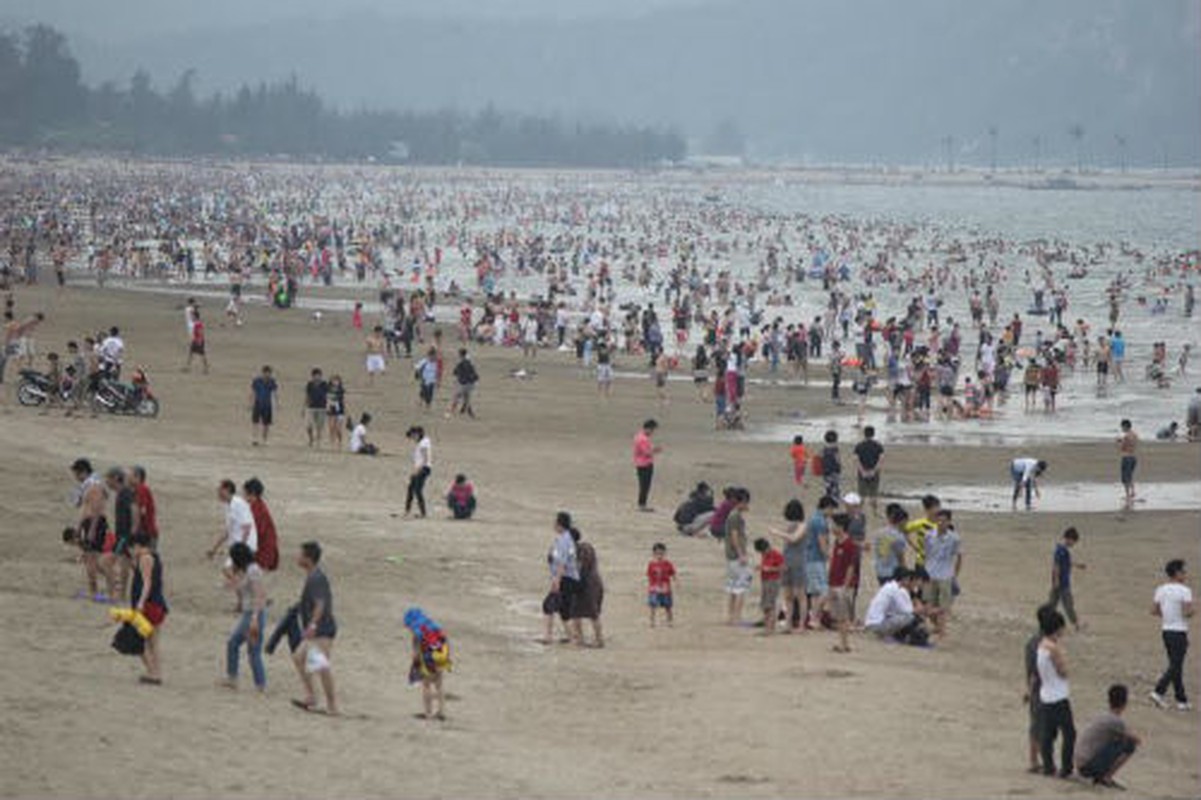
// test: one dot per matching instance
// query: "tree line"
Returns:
(47, 106)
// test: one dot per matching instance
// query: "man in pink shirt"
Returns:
(644, 461)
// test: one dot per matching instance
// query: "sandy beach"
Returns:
(699, 710)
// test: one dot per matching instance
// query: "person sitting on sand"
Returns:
(358, 438)
(461, 497)
(693, 516)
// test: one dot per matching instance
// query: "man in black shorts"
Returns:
(869, 457)
(92, 532)
(262, 401)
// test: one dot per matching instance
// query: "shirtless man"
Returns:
(15, 332)
(1127, 444)
(91, 498)
(375, 353)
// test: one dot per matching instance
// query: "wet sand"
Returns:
(698, 710)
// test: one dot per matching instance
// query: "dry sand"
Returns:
(699, 710)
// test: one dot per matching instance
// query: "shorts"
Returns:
(1127, 469)
(1035, 727)
(196, 348)
(656, 600)
(261, 415)
(840, 604)
(816, 580)
(738, 578)
(1031, 388)
(769, 597)
(604, 373)
(375, 363)
(315, 417)
(939, 594)
(946, 391)
(1102, 367)
(660, 380)
(869, 487)
(99, 535)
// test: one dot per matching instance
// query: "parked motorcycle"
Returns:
(35, 389)
(121, 397)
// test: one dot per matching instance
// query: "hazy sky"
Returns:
(829, 80)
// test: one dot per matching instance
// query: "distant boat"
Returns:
(712, 197)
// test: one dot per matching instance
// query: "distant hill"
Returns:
(897, 81)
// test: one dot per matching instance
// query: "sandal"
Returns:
(305, 705)
(149, 681)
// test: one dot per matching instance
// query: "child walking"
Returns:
(771, 569)
(797, 451)
(660, 575)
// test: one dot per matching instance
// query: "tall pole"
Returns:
(992, 137)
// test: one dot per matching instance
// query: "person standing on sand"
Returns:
(319, 629)
(375, 353)
(1061, 576)
(263, 399)
(427, 376)
(563, 560)
(843, 580)
(869, 458)
(93, 526)
(246, 579)
(423, 462)
(738, 568)
(644, 461)
(146, 596)
(944, 558)
(1033, 685)
(466, 378)
(239, 525)
(588, 602)
(145, 512)
(316, 398)
(335, 411)
(1174, 605)
(266, 553)
(198, 343)
(1055, 705)
(1127, 445)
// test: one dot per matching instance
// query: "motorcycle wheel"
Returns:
(29, 395)
(97, 404)
(148, 407)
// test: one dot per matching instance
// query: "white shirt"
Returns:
(112, 349)
(237, 517)
(1054, 686)
(357, 436)
(1027, 467)
(1171, 597)
(423, 454)
(189, 314)
(891, 601)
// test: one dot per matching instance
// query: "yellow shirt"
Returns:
(915, 532)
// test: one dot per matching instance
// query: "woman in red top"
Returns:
(267, 554)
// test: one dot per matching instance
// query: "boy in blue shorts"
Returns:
(660, 573)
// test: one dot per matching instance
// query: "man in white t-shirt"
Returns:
(239, 522)
(1174, 605)
(891, 610)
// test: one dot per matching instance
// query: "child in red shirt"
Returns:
(843, 578)
(797, 451)
(660, 573)
(771, 569)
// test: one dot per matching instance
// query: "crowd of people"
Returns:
(908, 316)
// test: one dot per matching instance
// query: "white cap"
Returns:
(852, 499)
